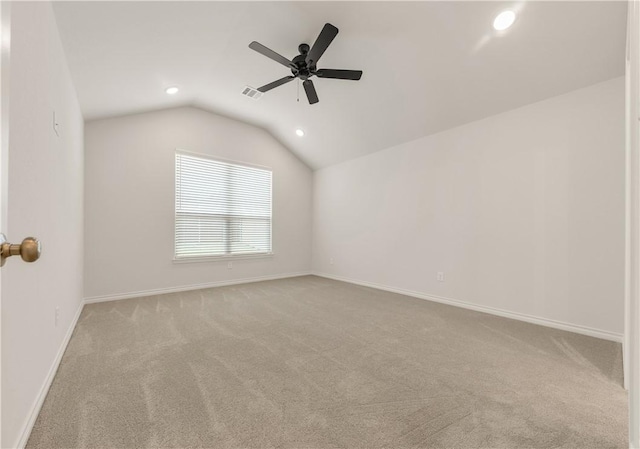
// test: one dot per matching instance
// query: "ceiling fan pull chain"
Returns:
(298, 90)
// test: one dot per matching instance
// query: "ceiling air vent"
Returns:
(251, 92)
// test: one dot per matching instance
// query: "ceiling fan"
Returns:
(303, 66)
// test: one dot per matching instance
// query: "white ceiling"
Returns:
(428, 66)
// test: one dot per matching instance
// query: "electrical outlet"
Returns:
(331, 261)
(230, 265)
(440, 276)
(57, 315)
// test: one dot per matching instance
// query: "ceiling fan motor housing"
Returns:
(303, 71)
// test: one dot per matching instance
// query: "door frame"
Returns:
(5, 51)
(632, 224)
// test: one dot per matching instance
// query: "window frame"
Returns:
(218, 257)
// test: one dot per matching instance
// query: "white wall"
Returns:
(523, 212)
(45, 200)
(130, 176)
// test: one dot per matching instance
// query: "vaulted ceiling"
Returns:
(428, 66)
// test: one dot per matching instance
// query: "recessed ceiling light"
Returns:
(504, 20)
(299, 132)
(171, 90)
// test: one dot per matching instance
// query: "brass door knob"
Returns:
(29, 250)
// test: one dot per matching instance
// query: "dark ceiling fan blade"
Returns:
(276, 83)
(328, 33)
(339, 74)
(257, 46)
(312, 96)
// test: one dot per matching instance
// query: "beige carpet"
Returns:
(310, 362)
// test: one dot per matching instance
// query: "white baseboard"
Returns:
(184, 288)
(584, 330)
(42, 394)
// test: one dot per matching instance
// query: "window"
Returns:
(222, 209)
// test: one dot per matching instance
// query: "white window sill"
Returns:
(224, 258)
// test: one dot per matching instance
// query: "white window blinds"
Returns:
(221, 208)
